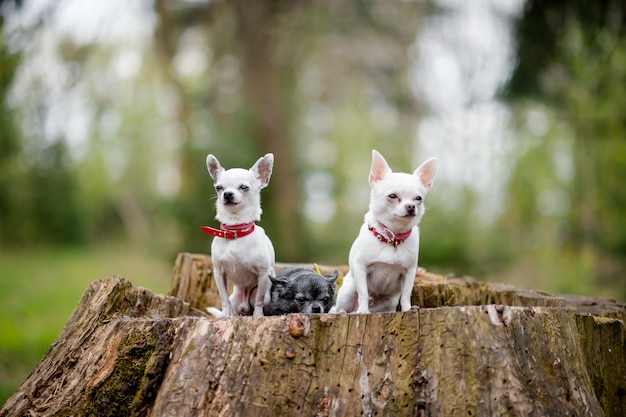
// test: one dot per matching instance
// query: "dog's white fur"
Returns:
(247, 261)
(381, 275)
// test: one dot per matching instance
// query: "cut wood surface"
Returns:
(472, 349)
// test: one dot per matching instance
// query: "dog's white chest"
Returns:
(242, 260)
(384, 278)
(386, 265)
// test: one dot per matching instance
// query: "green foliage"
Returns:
(44, 203)
(572, 56)
(450, 243)
(545, 34)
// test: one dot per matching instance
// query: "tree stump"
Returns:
(472, 349)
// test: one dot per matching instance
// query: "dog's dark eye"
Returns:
(301, 300)
(325, 300)
(244, 187)
(418, 198)
(218, 188)
(393, 196)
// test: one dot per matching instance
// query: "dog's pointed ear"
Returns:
(380, 169)
(278, 280)
(426, 172)
(214, 167)
(262, 169)
(332, 277)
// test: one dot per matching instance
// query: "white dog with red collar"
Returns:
(383, 258)
(241, 251)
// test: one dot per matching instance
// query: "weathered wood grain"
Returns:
(126, 351)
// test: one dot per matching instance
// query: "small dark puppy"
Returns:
(301, 290)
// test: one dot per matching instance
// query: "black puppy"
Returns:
(301, 290)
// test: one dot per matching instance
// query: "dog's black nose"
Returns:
(229, 196)
(410, 209)
(316, 309)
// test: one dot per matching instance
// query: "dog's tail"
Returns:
(215, 312)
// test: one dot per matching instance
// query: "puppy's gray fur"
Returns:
(301, 290)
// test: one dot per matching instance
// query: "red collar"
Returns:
(230, 231)
(394, 239)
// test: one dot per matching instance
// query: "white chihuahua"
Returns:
(383, 258)
(241, 251)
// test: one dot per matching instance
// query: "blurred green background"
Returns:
(108, 109)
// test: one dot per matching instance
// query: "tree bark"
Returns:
(126, 351)
(262, 88)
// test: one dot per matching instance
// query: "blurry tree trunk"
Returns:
(126, 351)
(133, 216)
(166, 40)
(262, 91)
(260, 75)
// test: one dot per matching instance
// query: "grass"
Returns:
(39, 289)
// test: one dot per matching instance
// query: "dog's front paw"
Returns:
(258, 312)
(405, 307)
(362, 310)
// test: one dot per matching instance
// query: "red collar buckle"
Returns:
(393, 239)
